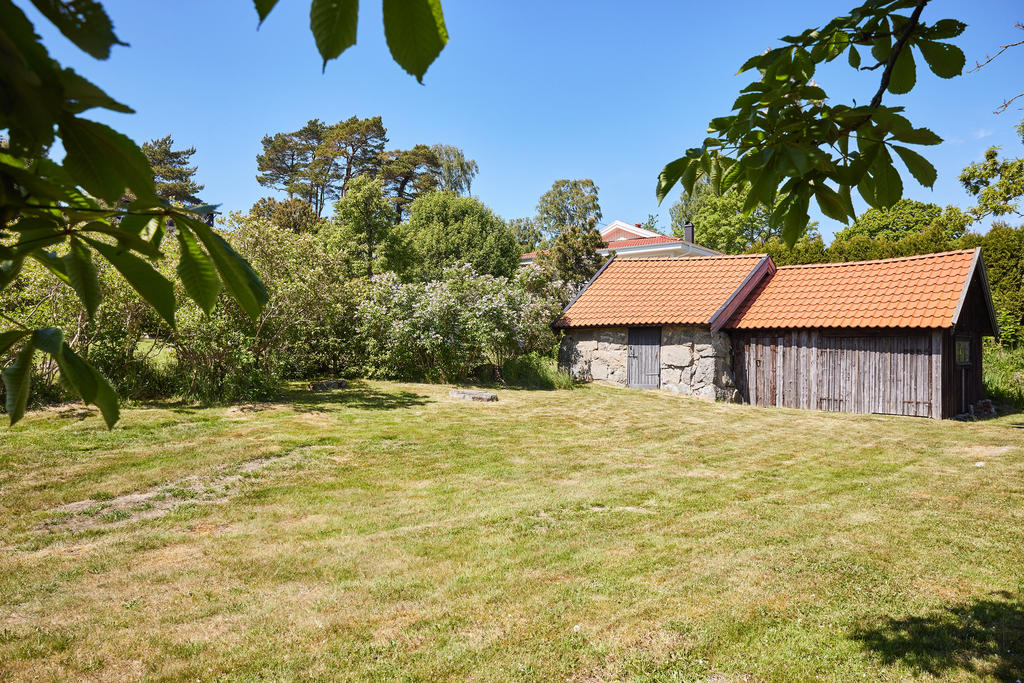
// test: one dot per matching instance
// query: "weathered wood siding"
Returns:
(893, 372)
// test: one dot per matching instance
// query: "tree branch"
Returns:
(1002, 49)
(1005, 105)
(901, 42)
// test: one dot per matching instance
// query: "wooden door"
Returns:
(643, 366)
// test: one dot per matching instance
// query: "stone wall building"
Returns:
(693, 360)
(623, 331)
(899, 336)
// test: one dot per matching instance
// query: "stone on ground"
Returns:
(473, 395)
(328, 385)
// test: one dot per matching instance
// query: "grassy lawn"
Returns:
(387, 532)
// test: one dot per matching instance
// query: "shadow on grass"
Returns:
(357, 395)
(984, 638)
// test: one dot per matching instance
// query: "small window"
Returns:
(963, 351)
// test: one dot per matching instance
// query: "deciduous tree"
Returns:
(790, 143)
(720, 221)
(907, 217)
(457, 172)
(527, 233)
(44, 204)
(998, 184)
(572, 258)
(364, 227)
(290, 214)
(568, 204)
(445, 229)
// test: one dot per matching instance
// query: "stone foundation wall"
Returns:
(694, 362)
(595, 354)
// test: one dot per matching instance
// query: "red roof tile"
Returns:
(659, 291)
(918, 291)
(621, 244)
(639, 242)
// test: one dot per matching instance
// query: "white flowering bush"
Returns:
(445, 329)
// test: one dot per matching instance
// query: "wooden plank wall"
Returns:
(898, 374)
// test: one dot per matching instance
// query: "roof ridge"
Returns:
(718, 257)
(895, 259)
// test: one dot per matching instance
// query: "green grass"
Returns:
(1004, 374)
(387, 532)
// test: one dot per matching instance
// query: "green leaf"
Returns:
(945, 60)
(866, 187)
(854, 57)
(917, 136)
(9, 270)
(670, 175)
(830, 202)
(125, 239)
(17, 379)
(148, 227)
(10, 338)
(882, 46)
(235, 271)
(263, 8)
(334, 24)
(90, 384)
(104, 161)
(84, 94)
(762, 191)
(77, 374)
(754, 61)
(904, 73)
(83, 276)
(919, 167)
(689, 177)
(197, 271)
(145, 279)
(52, 263)
(945, 29)
(888, 184)
(83, 22)
(795, 220)
(415, 32)
(106, 399)
(49, 340)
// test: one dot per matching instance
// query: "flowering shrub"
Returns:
(316, 323)
(444, 329)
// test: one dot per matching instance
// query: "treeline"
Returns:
(318, 163)
(909, 228)
(376, 264)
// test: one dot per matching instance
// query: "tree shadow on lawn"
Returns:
(984, 637)
(357, 395)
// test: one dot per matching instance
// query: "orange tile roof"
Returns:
(621, 244)
(918, 291)
(641, 241)
(659, 291)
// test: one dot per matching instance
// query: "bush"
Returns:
(306, 329)
(317, 323)
(444, 329)
(1004, 374)
(535, 371)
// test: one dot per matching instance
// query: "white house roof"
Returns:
(630, 228)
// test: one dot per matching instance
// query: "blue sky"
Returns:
(534, 91)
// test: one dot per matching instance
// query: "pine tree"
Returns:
(171, 171)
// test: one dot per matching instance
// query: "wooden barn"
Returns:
(897, 336)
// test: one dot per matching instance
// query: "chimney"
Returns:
(688, 232)
(638, 225)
